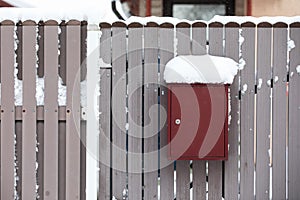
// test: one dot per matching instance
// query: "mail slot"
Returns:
(198, 121)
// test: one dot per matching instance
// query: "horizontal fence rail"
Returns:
(91, 123)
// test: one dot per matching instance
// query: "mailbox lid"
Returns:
(199, 128)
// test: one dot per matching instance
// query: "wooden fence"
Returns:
(43, 151)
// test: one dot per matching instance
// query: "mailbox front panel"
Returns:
(197, 122)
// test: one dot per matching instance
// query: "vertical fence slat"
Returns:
(105, 115)
(29, 111)
(151, 112)
(215, 167)
(231, 166)
(279, 111)
(61, 160)
(40, 159)
(264, 36)
(73, 177)
(199, 167)
(166, 41)
(7, 111)
(183, 166)
(118, 109)
(135, 84)
(247, 111)
(51, 111)
(294, 116)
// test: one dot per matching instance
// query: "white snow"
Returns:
(158, 20)
(259, 83)
(298, 70)
(200, 69)
(244, 89)
(291, 44)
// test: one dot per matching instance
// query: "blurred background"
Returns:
(187, 9)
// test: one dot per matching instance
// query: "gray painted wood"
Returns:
(73, 177)
(151, 112)
(166, 41)
(294, 116)
(215, 167)
(51, 112)
(29, 111)
(263, 110)
(7, 139)
(135, 84)
(183, 166)
(231, 184)
(279, 111)
(105, 122)
(62, 160)
(199, 166)
(118, 109)
(247, 112)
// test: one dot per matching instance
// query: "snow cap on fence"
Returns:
(200, 69)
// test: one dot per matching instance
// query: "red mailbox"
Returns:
(198, 121)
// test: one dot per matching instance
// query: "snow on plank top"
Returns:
(200, 69)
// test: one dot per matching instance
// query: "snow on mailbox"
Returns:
(198, 106)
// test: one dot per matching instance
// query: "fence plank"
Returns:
(166, 40)
(264, 36)
(294, 116)
(199, 167)
(62, 160)
(183, 166)
(151, 112)
(135, 83)
(51, 111)
(118, 109)
(215, 167)
(279, 111)
(247, 111)
(7, 111)
(231, 185)
(40, 159)
(105, 115)
(73, 177)
(29, 112)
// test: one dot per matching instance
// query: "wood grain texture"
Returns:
(166, 40)
(279, 113)
(105, 118)
(231, 184)
(7, 135)
(51, 113)
(215, 167)
(151, 113)
(73, 139)
(135, 135)
(29, 113)
(294, 116)
(183, 166)
(263, 110)
(247, 113)
(118, 111)
(199, 166)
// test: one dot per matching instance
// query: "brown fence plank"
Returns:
(183, 166)
(7, 112)
(73, 177)
(151, 112)
(247, 111)
(29, 112)
(264, 36)
(118, 109)
(215, 167)
(105, 117)
(51, 112)
(62, 160)
(135, 83)
(166, 40)
(199, 166)
(294, 116)
(231, 185)
(279, 112)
